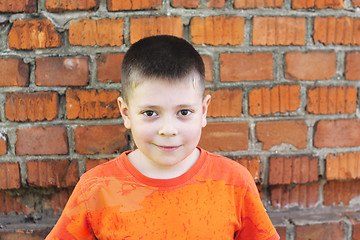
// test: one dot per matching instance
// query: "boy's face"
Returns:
(165, 119)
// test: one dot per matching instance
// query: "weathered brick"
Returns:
(43, 34)
(341, 192)
(356, 3)
(352, 69)
(11, 204)
(32, 107)
(33, 234)
(301, 4)
(281, 98)
(9, 175)
(225, 136)
(321, 231)
(331, 100)
(356, 230)
(92, 104)
(3, 144)
(57, 201)
(62, 71)
(119, 5)
(198, 3)
(274, 133)
(281, 230)
(332, 30)
(103, 32)
(93, 163)
(208, 67)
(41, 141)
(71, 5)
(258, 4)
(217, 30)
(289, 170)
(310, 65)
(13, 6)
(52, 173)
(343, 166)
(13, 72)
(302, 195)
(246, 66)
(141, 27)
(100, 139)
(225, 103)
(337, 133)
(252, 164)
(279, 31)
(109, 67)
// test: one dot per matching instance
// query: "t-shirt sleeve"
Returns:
(255, 223)
(73, 222)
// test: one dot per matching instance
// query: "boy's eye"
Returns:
(184, 112)
(149, 113)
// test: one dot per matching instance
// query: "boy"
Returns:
(167, 188)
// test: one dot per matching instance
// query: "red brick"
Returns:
(9, 175)
(32, 107)
(246, 66)
(43, 34)
(225, 136)
(225, 103)
(341, 192)
(217, 30)
(301, 4)
(93, 163)
(343, 166)
(281, 98)
(289, 170)
(281, 231)
(352, 69)
(258, 4)
(322, 231)
(302, 195)
(57, 201)
(103, 32)
(252, 164)
(13, 72)
(275, 133)
(109, 67)
(310, 65)
(71, 5)
(62, 71)
(332, 30)
(141, 27)
(21, 235)
(3, 144)
(337, 133)
(100, 139)
(13, 6)
(92, 104)
(208, 67)
(198, 4)
(331, 100)
(52, 173)
(356, 3)
(118, 5)
(279, 31)
(11, 204)
(41, 141)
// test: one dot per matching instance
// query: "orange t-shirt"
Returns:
(216, 199)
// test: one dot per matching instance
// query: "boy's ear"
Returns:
(205, 107)
(124, 111)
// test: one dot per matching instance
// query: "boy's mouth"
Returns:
(168, 148)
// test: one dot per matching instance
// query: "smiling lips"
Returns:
(168, 148)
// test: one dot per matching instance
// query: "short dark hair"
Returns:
(162, 57)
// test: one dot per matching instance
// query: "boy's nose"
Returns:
(168, 128)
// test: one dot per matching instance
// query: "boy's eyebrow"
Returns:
(157, 106)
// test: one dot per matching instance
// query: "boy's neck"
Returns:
(152, 170)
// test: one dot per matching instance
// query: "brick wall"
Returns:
(284, 76)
